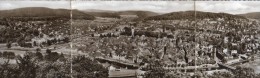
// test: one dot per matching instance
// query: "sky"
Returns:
(235, 7)
(155, 6)
(5, 5)
(232, 7)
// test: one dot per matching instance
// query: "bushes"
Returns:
(28, 66)
(39, 56)
(7, 55)
(9, 45)
(240, 72)
(25, 68)
(87, 68)
(243, 72)
(51, 56)
(50, 42)
(25, 44)
(66, 39)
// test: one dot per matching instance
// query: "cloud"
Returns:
(5, 5)
(233, 7)
(156, 6)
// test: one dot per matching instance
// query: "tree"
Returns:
(8, 55)
(83, 65)
(8, 72)
(39, 55)
(52, 56)
(49, 42)
(66, 39)
(221, 75)
(9, 45)
(1, 54)
(244, 72)
(38, 50)
(156, 70)
(34, 43)
(48, 51)
(27, 67)
(36, 33)
(62, 58)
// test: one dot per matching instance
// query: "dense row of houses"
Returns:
(208, 42)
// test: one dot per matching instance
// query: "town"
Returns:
(213, 44)
(127, 44)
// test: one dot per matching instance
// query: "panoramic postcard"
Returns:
(129, 39)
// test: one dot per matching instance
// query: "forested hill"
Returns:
(141, 14)
(43, 12)
(253, 15)
(116, 14)
(104, 14)
(138, 13)
(182, 15)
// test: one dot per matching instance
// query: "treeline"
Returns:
(28, 66)
(190, 15)
(84, 67)
(31, 12)
(254, 15)
(25, 19)
(49, 42)
(45, 18)
(141, 14)
(159, 72)
(138, 13)
(52, 65)
(108, 35)
(7, 55)
(50, 56)
(104, 14)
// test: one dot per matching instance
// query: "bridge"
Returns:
(229, 65)
(118, 62)
(226, 66)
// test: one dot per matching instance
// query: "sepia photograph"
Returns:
(129, 39)
(35, 39)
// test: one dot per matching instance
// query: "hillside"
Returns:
(191, 15)
(141, 14)
(104, 14)
(138, 13)
(116, 14)
(253, 15)
(44, 12)
(97, 10)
